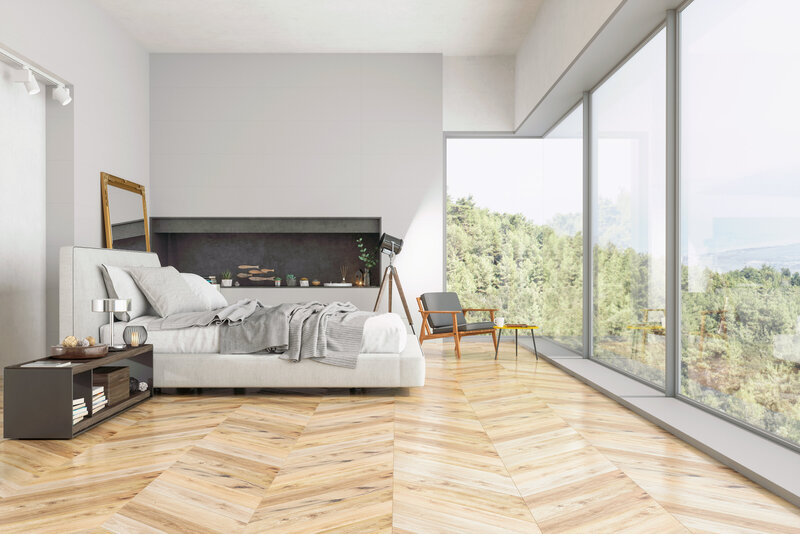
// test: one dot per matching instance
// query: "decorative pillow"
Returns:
(120, 285)
(210, 295)
(166, 290)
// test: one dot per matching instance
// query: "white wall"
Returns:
(561, 29)
(305, 135)
(478, 93)
(109, 70)
(22, 219)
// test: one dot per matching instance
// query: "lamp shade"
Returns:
(111, 305)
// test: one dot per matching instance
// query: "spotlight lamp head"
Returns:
(61, 95)
(390, 244)
(25, 76)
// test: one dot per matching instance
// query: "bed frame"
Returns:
(81, 280)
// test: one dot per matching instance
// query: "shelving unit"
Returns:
(37, 401)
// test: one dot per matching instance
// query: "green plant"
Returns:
(290, 277)
(367, 255)
(277, 278)
(226, 275)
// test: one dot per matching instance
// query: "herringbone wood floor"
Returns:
(485, 446)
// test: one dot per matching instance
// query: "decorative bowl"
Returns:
(78, 353)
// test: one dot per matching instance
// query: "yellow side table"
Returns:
(516, 328)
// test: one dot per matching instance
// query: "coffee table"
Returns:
(516, 328)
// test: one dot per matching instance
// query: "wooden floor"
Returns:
(484, 447)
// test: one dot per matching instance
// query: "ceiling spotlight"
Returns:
(25, 76)
(61, 94)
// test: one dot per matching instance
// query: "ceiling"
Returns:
(450, 27)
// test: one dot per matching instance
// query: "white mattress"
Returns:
(383, 334)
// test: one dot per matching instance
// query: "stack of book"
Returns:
(79, 410)
(99, 399)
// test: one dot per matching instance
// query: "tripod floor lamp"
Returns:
(391, 246)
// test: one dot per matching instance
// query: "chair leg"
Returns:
(457, 339)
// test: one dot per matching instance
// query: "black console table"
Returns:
(37, 401)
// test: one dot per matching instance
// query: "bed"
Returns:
(189, 358)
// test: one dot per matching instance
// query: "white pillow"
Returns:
(120, 285)
(166, 290)
(210, 295)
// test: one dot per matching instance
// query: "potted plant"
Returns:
(277, 281)
(227, 279)
(368, 256)
(291, 280)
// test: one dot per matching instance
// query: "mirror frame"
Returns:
(107, 180)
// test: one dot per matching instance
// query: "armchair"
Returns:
(443, 316)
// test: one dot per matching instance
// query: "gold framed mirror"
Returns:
(124, 213)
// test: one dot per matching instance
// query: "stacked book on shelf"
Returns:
(79, 410)
(99, 400)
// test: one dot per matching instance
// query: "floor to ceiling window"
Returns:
(514, 228)
(628, 123)
(740, 182)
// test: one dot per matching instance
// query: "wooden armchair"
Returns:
(443, 316)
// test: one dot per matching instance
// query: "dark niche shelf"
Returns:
(311, 247)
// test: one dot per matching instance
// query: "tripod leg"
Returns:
(380, 291)
(402, 297)
(389, 275)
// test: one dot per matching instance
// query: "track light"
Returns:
(25, 76)
(61, 95)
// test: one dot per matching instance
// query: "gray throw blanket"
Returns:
(329, 333)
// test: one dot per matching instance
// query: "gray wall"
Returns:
(329, 135)
(22, 221)
(109, 70)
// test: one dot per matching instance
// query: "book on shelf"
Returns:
(47, 363)
(76, 420)
(82, 411)
(97, 390)
(78, 401)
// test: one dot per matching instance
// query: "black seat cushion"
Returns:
(442, 302)
(469, 327)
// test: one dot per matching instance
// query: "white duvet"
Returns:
(383, 334)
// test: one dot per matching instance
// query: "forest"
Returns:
(739, 333)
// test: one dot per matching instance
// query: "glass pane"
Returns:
(513, 230)
(740, 184)
(562, 194)
(629, 252)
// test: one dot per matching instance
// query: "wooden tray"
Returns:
(78, 353)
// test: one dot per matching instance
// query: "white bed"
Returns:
(189, 357)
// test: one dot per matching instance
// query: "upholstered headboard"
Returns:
(81, 280)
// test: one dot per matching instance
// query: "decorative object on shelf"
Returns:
(359, 278)
(111, 306)
(89, 352)
(143, 386)
(255, 273)
(114, 381)
(315, 282)
(338, 284)
(135, 386)
(227, 279)
(236, 284)
(277, 281)
(291, 281)
(344, 270)
(304, 282)
(368, 256)
(134, 335)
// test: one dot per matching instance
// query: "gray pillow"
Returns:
(166, 290)
(120, 285)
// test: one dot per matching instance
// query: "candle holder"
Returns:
(134, 335)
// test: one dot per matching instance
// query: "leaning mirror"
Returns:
(124, 213)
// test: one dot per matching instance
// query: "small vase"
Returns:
(366, 278)
(227, 282)
(277, 283)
